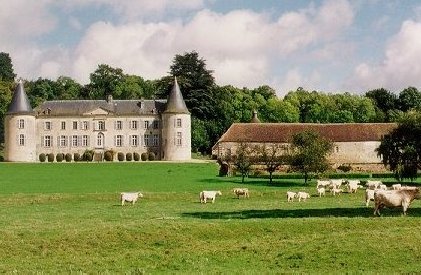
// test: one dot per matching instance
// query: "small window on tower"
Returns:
(21, 124)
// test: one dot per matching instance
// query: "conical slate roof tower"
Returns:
(20, 102)
(175, 102)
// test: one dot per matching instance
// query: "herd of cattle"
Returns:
(396, 195)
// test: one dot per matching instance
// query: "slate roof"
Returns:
(283, 132)
(116, 107)
(20, 102)
(176, 102)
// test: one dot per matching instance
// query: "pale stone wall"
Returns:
(13, 150)
(172, 149)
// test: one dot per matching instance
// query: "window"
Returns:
(101, 125)
(47, 125)
(85, 141)
(178, 123)
(178, 139)
(85, 125)
(119, 125)
(63, 125)
(62, 141)
(337, 149)
(146, 124)
(155, 140)
(21, 124)
(146, 140)
(47, 141)
(74, 141)
(74, 125)
(118, 140)
(21, 140)
(134, 140)
(133, 124)
(155, 124)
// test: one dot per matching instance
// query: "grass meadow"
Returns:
(67, 218)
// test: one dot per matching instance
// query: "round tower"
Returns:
(176, 127)
(19, 128)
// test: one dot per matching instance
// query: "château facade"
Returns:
(75, 126)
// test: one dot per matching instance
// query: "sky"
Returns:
(332, 46)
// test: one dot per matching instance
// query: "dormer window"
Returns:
(47, 125)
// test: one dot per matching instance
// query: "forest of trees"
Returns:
(214, 108)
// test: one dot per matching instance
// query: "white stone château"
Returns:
(75, 126)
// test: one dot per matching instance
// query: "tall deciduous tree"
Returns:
(409, 98)
(244, 159)
(309, 153)
(272, 157)
(401, 149)
(6, 68)
(385, 102)
(104, 81)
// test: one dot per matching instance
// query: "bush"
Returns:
(136, 156)
(68, 157)
(151, 156)
(77, 157)
(109, 155)
(144, 156)
(50, 157)
(59, 157)
(129, 156)
(42, 157)
(344, 168)
(88, 155)
(120, 156)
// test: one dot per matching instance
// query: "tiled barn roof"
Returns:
(282, 132)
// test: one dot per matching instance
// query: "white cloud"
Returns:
(400, 67)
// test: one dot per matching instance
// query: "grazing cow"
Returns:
(322, 183)
(303, 196)
(394, 198)
(241, 192)
(130, 197)
(321, 191)
(335, 184)
(373, 184)
(369, 196)
(291, 195)
(397, 186)
(336, 191)
(353, 186)
(208, 195)
(382, 187)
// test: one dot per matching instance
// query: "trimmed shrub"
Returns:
(42, 157)
(77, 157)
(68, 157)
(88, 155)
(129, 156)
(120, 156)
(151, 156)
(144, 156)
(136, 156)
(50, 157)
(109, 155)
(59, 157)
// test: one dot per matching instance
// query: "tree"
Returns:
(272, 157)
(6, 68)
(401, 149)
(409, 98)
(384, 100)
(243, 160)
(104, 81)
(309, 153)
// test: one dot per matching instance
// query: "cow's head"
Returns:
(219, 193)
(417, 193)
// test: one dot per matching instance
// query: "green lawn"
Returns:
(67, 218)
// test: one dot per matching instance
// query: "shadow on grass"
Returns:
(255, 182)
(361, 212)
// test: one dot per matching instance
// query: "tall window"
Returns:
(85, 141)
(63, 125)
(85, 125)
(133, 124)
(146, 139)
(178, 122)
(100, 140)
(62, 141)
(134, 140)
(178, 141)
(155, 124)
(119, 125)
(118, 140)
(101, 125)
(21, 124)
(21, 140)
(47, 141)
(74, 141)
(47, 125)
(74, 125)
(146, 124)
(155, 140)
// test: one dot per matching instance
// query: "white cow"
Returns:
(353, 186)
(382, 187)
(241, 192)
(208, 195)
(369, 196)
(303, 196)
(397, 186)
(394, 198)
(336, 191)
(130, 197)
(321, 191)
(373, 184)
(291, 195)
(335, 184)
(322, 183)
